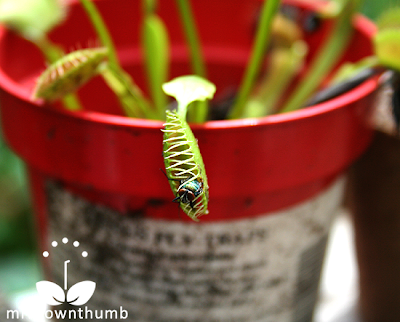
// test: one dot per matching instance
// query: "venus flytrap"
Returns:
(33, 20)
(128, 93)
(254, 98)
(386, 42)
(327, 56)
(69, 73)
(386, 56)
(386, 47)
(184, 164)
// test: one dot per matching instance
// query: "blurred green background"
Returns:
(372, 8)
(19, 267)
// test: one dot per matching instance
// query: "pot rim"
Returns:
(362, 90)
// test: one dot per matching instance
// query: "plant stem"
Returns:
(51, 51)
(329, 54)
(192, 37)
(129, 94)
(284, 65)
(72, 102)
(155, 44)
(181, 111)
(149, 6)
(122, 84)
(261, 42)
(102, 31)
(198, 114)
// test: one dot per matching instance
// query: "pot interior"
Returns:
(226, 32)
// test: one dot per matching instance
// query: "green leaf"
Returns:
(155, 43)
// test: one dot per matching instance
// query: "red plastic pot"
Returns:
(256, 167)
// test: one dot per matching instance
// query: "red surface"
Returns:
(254, 166)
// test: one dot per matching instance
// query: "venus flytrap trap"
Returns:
(184, 164)
(72, 71)
(69, 73)
(261, 92)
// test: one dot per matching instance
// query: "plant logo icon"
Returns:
(78, 294)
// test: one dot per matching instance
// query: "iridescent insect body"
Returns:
(189, 191)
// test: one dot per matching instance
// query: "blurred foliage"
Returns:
(16, 233)
(373, 8)
(18, 263)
